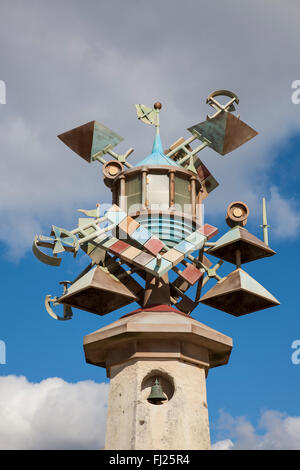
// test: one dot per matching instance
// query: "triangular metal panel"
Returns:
(251, 247)
(226, 132)
(98, 292)
(80, 139)
(239, 294)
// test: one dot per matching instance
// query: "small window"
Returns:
(158, 191)
(134, 192)
(183, 198)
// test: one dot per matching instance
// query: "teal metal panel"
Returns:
(161, 269)
(185, 247)
(115, 217)
(102, 137)
(213, 130)
(251, 285)
(141, 235)
(196, 239)
(157, 156)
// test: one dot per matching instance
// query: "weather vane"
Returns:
(151, 247)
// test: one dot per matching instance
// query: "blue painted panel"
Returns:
(141, 235)
(185, 247)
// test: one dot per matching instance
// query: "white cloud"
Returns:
(52, 414)
(227, 444)
(285, 215)
(89, 63)
(275, 431)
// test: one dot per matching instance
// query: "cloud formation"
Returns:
(275, 431)
(52, 414)
(69, 64)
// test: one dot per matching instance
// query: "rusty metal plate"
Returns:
(98, 292)
(191, 274)
(154, 245)
(209, 231)
(89, 139)
(238, 238)
(239, 294)
(225, 132)
(208, 182)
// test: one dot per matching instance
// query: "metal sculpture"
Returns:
(154, 226)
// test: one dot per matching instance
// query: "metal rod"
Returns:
(144, 188)
(265, 225)
(100, 159)
(171, 189)
(200, 282)
(96, 234)
(199, 148)
(238, 258)
(88, 225)
(193, 194)
(122, 199)
(198, 263)
(119, 157)
(181, 146)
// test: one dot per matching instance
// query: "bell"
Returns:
(156, 393)
(101, 292)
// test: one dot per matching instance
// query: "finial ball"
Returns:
(157, 105)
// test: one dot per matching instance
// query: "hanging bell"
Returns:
(156, 393)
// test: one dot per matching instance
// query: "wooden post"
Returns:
(193, 191)
(122, 195)
(171, 188)
(144, 189)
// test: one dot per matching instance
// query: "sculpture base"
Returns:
(180, 422)
(165, 344)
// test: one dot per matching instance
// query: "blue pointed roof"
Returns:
(157, 157)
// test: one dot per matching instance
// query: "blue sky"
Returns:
(66, 67)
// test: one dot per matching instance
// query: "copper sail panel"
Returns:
(89, 139)
(239, 294)
(98, 292)
(237, 133)
(80, 139)
(251, 247)
(208, 182)
(226, 132)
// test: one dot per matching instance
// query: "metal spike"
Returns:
(265, 225)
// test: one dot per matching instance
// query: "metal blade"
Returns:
(41, 256)
(67, 312)
(58, 247)
(145, 114)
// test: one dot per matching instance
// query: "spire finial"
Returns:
(157, 106)
(151, 116)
